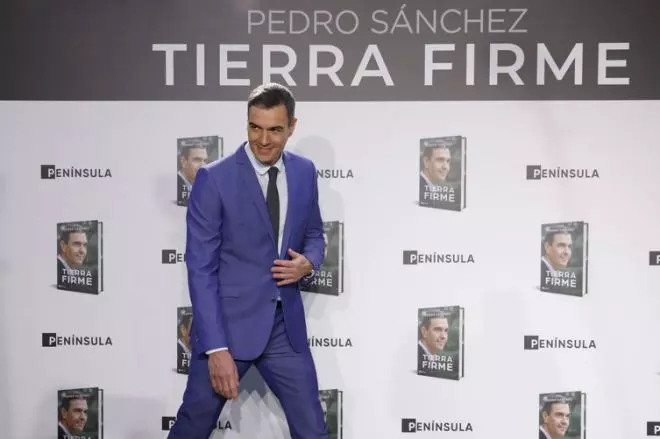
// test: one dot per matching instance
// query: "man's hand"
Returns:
(223, 374)
(291, 271)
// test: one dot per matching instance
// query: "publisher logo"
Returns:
(413, 425)
(408, 425)
(653, 428)
(48, 340)
(415, 257)
(167, 423)
(329, 342)
(47, 172)
(409, 257)
(172, 257)
(654, 258)
(535, 343)
(51, 172)
(533, 172)
(334, 174)
(52, 340)
(537, 172)
(531, 342)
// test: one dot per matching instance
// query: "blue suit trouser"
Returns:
(290, 375)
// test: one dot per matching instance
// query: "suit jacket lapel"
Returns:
(249, 179)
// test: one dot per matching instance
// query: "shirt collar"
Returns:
(65, 263)
(260, 167)
(66, 430)
(547, 435)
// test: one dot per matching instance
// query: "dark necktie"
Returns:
(273, 202)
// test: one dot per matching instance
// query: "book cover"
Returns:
(192, 154)
(563, 415)
(443, 173)
(183, 348)
(80, 413)
(564, 258)
(330, 277)
(80, 256)
(332, 405)
(440, 342)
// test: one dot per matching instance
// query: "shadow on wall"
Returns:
(320, 151)
(246, 414)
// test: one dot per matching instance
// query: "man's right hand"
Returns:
(223, 374)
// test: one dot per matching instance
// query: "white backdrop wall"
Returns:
(113, 85)
(378, 310)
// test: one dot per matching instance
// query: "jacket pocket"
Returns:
(225, 290)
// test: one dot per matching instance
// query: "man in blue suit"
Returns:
(254, 234)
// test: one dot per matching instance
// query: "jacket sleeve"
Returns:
(203, 241)
(314, 244)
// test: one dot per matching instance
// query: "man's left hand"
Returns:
(291, 271)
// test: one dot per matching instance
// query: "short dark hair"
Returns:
(66, 401)
(547, 406)
(186, 320)
(271, 95)
(550, 235)
(428, 151)
(426, 321)
(72, 228)
(185, 150)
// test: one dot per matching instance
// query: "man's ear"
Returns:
(292, 126)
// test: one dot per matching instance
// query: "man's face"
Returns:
(268, 132)
(437, 166)
(75, 418)
(75, 250)
(197, 157)
(435, 334)
(556, 422)
(559, 252)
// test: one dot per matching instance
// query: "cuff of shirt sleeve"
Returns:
(210, 351)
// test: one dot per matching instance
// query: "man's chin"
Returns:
(268, 159)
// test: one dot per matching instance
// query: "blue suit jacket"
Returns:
(230, 250)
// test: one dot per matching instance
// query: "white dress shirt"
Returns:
(262, 176)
